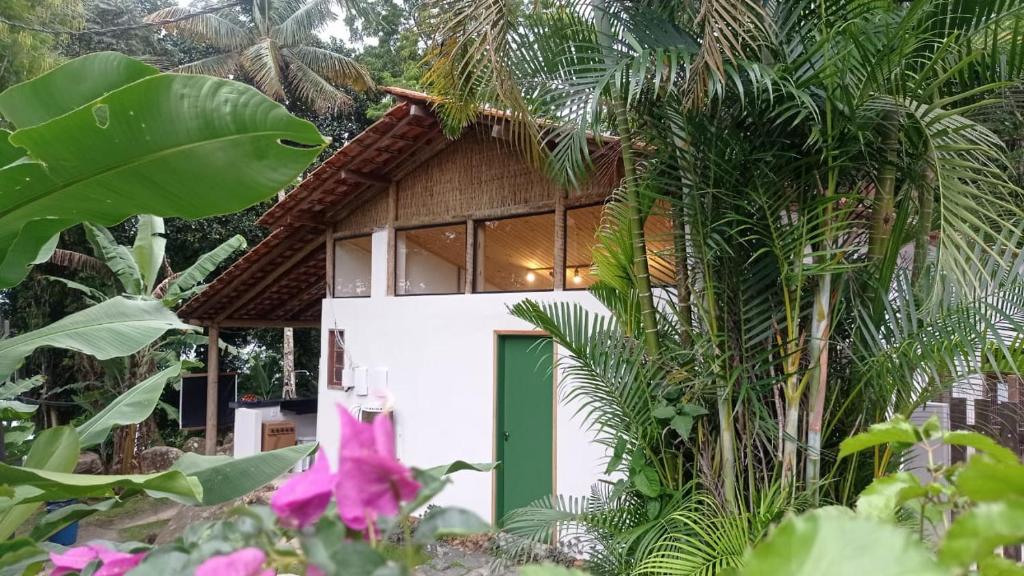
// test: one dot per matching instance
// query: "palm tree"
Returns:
(847, 228)
(274, 50)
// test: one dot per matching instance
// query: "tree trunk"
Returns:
(884, 209)
(682, 278)
(288, 364)
(821, 327)
(648, 313)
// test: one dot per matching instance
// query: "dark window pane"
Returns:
(430, 260)
(515, 254)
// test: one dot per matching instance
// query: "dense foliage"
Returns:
(846, 237)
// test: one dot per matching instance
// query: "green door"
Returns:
(525, 421)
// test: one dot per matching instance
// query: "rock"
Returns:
(226, 450)
(158, 459)
(89, 463)
(194, 444)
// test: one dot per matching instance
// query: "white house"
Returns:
(407, 248)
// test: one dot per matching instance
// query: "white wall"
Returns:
(439, 352)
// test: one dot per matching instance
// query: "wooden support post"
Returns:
(392, 245)
(329, 251)
(558, 268)
(471, 267)
(212, 393)
(958, 421)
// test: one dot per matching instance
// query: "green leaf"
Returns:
(93, 295)
(55, 449)
(206, 264)
(549, 570)
(51, 95)
(664, 412)
(449, 522)
(16, 554)
(647, 481)
(459, 466)
(682, 424)
(224, 478)
(617, 454)
(981, 442)
(978, 531)
(148, 250)
(13, 389)
(881, 498)
(168, 145)
(117, 257)
(14, 410)
(61, 517)
(62, 485)
(132, 407)
(997, 566)
(984, 480)
(110, 329)
(896, 431)
(330, 549)
(837, 542)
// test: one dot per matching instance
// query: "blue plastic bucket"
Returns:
(67, 535)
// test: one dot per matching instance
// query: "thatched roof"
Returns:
(281, 281)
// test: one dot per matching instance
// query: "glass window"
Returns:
(581, 226)
(352, 267)
(661, 253)
(515, 254)
(430, 260)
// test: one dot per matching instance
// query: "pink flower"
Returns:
(112, 562)
(303, 498)
(244, 562)
(370, 482)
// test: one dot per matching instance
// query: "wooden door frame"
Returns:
(498, 334)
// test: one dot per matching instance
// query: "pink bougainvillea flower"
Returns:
(313, 570)
(303, 498)
(370, 482)
(112, 562)
(244, 562)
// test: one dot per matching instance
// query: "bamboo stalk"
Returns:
(884, 209)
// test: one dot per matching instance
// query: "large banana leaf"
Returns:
(54, 449)
(171, 484)
(197, 272)
(149, 248)
(118, 258)
(132, 407)
(165, 144)
(116, 327)
(224, 478)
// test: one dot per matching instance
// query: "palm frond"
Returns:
(205, 28)
(304, 21)
(337, 69)
(262, 63)
(222, 65)
(311, 88)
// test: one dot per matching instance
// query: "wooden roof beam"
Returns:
(365, 178)
(271, 277)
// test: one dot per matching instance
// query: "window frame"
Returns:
(565, 243)
(334, 265)
(333, 382)
(476, 252)
(466, 265)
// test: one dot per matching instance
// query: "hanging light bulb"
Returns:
(530, 276)
(576, 278)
